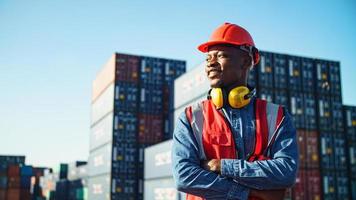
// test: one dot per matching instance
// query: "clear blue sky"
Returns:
(50, 51)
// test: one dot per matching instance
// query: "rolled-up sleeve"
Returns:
(276, 173)
(190, 177)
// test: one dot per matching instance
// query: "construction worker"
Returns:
(233, 145)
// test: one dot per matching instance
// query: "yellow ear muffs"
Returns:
(237, 97)
(217, 97)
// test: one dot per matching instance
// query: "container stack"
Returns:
(13, 182)
(10, 177)
(26, 173)
(132, 108)
(350, 129)
(159, 183)
(310, 89)
(48, 183)
(67, 182)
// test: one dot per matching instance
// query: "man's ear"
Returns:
(247, 62)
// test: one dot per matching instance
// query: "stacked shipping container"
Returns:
(159, 183)
(10, 177)
(132, 108)
(67, 182)
(350, 130)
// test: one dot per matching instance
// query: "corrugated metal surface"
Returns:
(150, 128)
(329, 185)
(127, 67)
(281, 97)
(158, 161)
(302, 146)
(266, 94)
(99, 187)
(296, 108)
(294, 73)
(126, 96)
(312, 149)
(299, 189)
(102, 132)
(13, 194)
(352, 159)
(342, 185)
(310, 114)
(313, 180)
(161, 189)
(322, 77)
(103, 105)
(327, 151)
(308, 75)
(190, 86)
(280, 71)
(104, 78)
(340, 149)
(324, 113)
(100, 160)
(265, 70)
(350, 123)
(335, 78)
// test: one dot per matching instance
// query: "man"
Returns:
(233, 145)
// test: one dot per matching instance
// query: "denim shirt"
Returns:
(237, 176)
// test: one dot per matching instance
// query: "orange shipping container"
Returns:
(302, 148)
(13, 194)
(312, 150)
(2, 193)
(13, 171)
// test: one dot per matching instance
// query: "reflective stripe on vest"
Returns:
(214, 135)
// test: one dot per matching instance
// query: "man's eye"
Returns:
(221, 55)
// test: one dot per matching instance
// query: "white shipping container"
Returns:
(99, 187)
(190, 86)
(103, 105)
(100, 160)
(162, 189)
(158, 161)
(101, 133)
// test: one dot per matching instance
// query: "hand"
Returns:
(268, 194)
(212, 165)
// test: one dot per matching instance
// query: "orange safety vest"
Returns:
(214, 136)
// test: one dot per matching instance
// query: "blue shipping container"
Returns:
(26, 170)
(25, 182)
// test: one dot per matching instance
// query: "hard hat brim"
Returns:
(205, 46)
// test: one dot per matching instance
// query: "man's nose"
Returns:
(212, 61)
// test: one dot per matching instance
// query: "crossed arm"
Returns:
(233, 178)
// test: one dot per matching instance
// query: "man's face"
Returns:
(225, 66)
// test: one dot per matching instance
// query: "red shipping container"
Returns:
(302, 148)
(2, 193)
(25, 194)
(13, 194)
(299, 189)
(13, 171)
(127, 67)
(312, 149)
(150, 129)
(313, 183)
(14, 182)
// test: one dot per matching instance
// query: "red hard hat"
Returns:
(231, 34)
